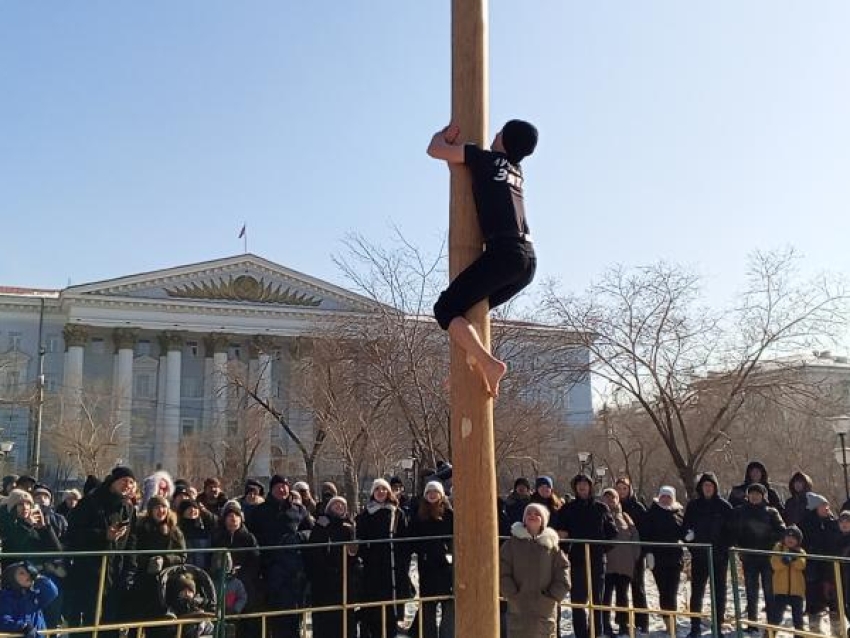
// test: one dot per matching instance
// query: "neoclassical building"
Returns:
(157, 347)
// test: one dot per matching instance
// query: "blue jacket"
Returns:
(19, 608)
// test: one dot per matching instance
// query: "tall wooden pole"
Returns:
(474, 480)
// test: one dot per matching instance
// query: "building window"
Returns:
(192, 388)
(143, 348)
(51, 382)
(188, 426)
(15, 340)
(97, 345)
(52, 344)
(192, 348)
(144, 386)
(13, 380)
(234, 351)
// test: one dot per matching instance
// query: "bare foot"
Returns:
(492, 372)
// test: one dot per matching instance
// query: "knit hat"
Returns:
(813, 500)
(251, 484)
(379, 482)
(610, 491)
(334, 500)
(544, 480)
(153, 501)
(232, 506)
(41, 488)
(667, 490)
(434, 486)
(522, 481)
(844, 516)
(396, 480)
(17, 496)
(72, 492)
(329, 488)
(793, 530)
(519, 139)
(120, 472)
(540, 509)
(277, 478)
(757, 487)
(187, 504)
(301, 486)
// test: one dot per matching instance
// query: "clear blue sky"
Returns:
(140, 135)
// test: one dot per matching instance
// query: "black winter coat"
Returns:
(19, 536)
(515, 508)
(757, 526)
(435, 570)
(324, 560)
(586, 519)
(738, 495)
(711, 521)
(664, 526)
(385, 565)
(145, 602)
(821, 537)
(797, 505)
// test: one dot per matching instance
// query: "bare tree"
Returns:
(651, 339)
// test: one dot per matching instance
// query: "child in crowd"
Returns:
(23, 598)
(789, 581)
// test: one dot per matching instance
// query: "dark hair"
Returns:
(519, 139)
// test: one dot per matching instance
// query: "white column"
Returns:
(171, 425)
(219, 390)
(159, 431)
(262, 375)
(75, 340)
(124, 392)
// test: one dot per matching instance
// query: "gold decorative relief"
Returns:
(243, 288)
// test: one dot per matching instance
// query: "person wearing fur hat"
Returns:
(385, 565)
(620, 564)
(431, 524)
(820, 536)
(323, 560)
(24, 597)
(708, 518)
(254, 494)
(159, 483)
(104, 520)
(508, 263)
(789, 583)
(70, 499)
(279, 522)
(156, 530)
(756, 525)
(663, 524)
(586, 518)
(26, 529)
(637, 511)
(534, 575)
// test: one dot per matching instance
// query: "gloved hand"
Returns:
(650, 562)
(155, 564)
(689, 537)
(787, 558)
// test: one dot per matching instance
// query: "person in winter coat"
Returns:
(620, 564)
(70, 499)
(197, 532)
(663, 524)
(159, 483)
(307, 500)
(434, 519)
(637, 512)
(327, 492)
(820, 532)
(707, 520)
(278, 522)
(25, 530)
(254, 494)
(517, 500)
(324, 562)
(756, 473)
(797, 504)
(232, 534)
(756, 525)
(842, 550)
(23, 598)
(156, 530)
(212, 498)
(385, 565)
(104, 520)
(544, 494)
(789, 584)
(533, 576)
(43, 498)
(586, 518)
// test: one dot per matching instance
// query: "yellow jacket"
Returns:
(788, 579)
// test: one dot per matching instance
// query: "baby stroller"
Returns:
(187, 591)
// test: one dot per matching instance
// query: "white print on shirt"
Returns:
(504, 175)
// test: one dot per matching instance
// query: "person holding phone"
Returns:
(26, 530)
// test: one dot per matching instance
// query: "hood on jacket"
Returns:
(548, 537)
(151, 484)
(708, 477)
(756, 464)
(800, 476)
(582, 477)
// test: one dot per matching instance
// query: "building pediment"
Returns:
(243, 279)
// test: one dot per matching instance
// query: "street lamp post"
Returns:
(841, 426)
(5, 449)
(585, 459)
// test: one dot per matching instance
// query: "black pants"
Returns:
(579, 593)
(780, 603)
(699, 579)
(667, 576)
(616, 584)
(639, 595)
(505, 268)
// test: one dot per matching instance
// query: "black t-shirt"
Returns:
(497, 188)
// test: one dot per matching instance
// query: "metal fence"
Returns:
(221, 621)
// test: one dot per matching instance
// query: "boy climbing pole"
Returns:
(508, 262)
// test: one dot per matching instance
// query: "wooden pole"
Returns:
(474, 478)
